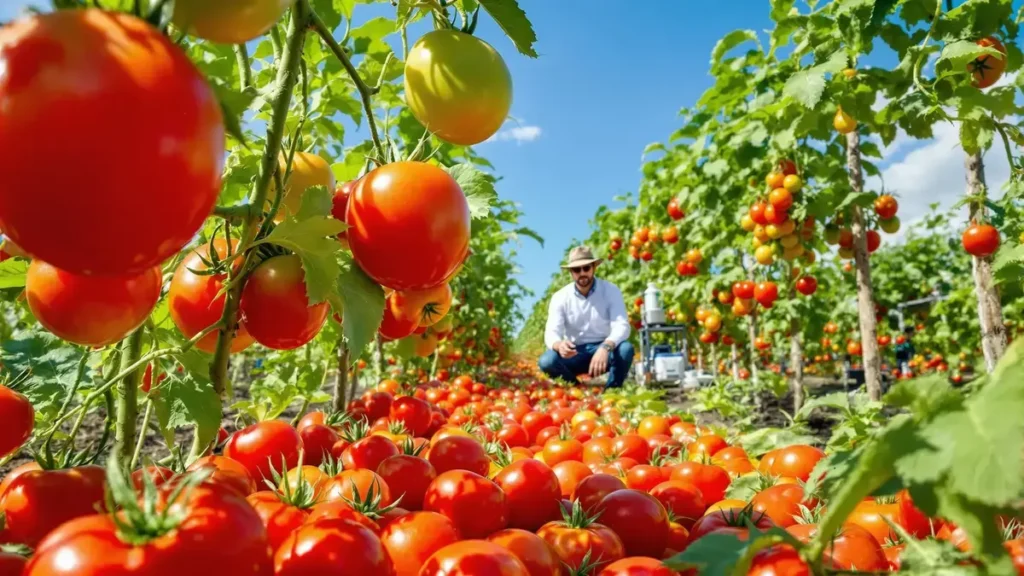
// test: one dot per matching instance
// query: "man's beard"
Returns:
(584, 282)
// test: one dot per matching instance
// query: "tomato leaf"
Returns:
(477, 186)
(724, 554)
(984, 439)
(43, 367)
(730, 41)
(12, 273)
(880, 10)
(183, 400)
(524, 231)
(363, 304)
(311, 234)
(513, 21)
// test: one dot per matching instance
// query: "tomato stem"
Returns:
(365, 91)
(142, 434)
(127, 395)
(287, 77)
(244, 69)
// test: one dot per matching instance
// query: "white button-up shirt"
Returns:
(596, 317)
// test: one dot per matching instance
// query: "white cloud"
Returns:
(933, 171)
(517, 134)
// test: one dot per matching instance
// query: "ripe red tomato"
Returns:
(279, 518)
(408, 225)
(357, 485)
(408, 478)
(275, 305)
(12, 564)
(778, 560)
(218, 532)
(413, 538)
(459, 453)
(911, 518)
(638, 566)
(196, 301)
(980, 240)
(806, 285)
(368, 453)
(712, 481)
(532, 492)
(467, 103)
(874, 516)
(886, 206)
(852, 547)
(986, 70)
(645, 477)
(796, 461)
(226, 472)
(631, 446)
(573, 543)
(592, 490)
(674, 210)
(126, 206)
(317, 441)
(733, 519)
(781, 503)
(538, 557)
(265, 445)
(413, 412)
(473, 558)
(332, 546)
(426, 307)
(37, 501)
(766, 293)
(570, 473)
(683, 500)
(90, 310)
(743, 289)
(340, 204)
(638, 519)
(18, 416)
(476, 505)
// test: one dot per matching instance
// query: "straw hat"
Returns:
(580, 256)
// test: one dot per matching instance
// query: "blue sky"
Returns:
(611, 78)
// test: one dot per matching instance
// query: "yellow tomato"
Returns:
(843, 122)
(583, 415)
(228, 21)
(789, 241)
(457, 86)
(764, 255)
(308, 170)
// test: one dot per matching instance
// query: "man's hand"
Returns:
(565, 349)
(599, 363)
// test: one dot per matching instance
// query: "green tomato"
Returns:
(457, 86)
(890, 226)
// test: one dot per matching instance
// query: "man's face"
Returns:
(583, 276)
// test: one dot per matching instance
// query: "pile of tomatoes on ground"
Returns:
(443, 479)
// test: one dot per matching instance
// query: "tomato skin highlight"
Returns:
(534, 552)
(220, 534)
(38, 501)
(156, 181)
(196, 301)
(980, 240)
(457, 86)
(532, 491)
(18, 418)
(276, 307)
(90, 310)
(402, 201)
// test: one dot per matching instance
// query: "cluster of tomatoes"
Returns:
(838, 234)
(769, 221)
(645, 239)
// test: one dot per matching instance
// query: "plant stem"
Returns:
(340, 399)
(287, 76)
(79, 376)
(127, 397)
(796, 361)
(244, 70)
(990, 312)
(365, 91)
(865, 291)
(142, 434)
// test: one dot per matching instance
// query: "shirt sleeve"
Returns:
(555, 328)
(619, 318)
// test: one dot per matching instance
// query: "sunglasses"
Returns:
(579, 269)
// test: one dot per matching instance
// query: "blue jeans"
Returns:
(568, 369)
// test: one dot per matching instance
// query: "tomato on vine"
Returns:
(18, 416)
(276, 306)
(228, 21)
(127, 206)
(90, 310)
(987, 69)
(408, 225)
(457, 86)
